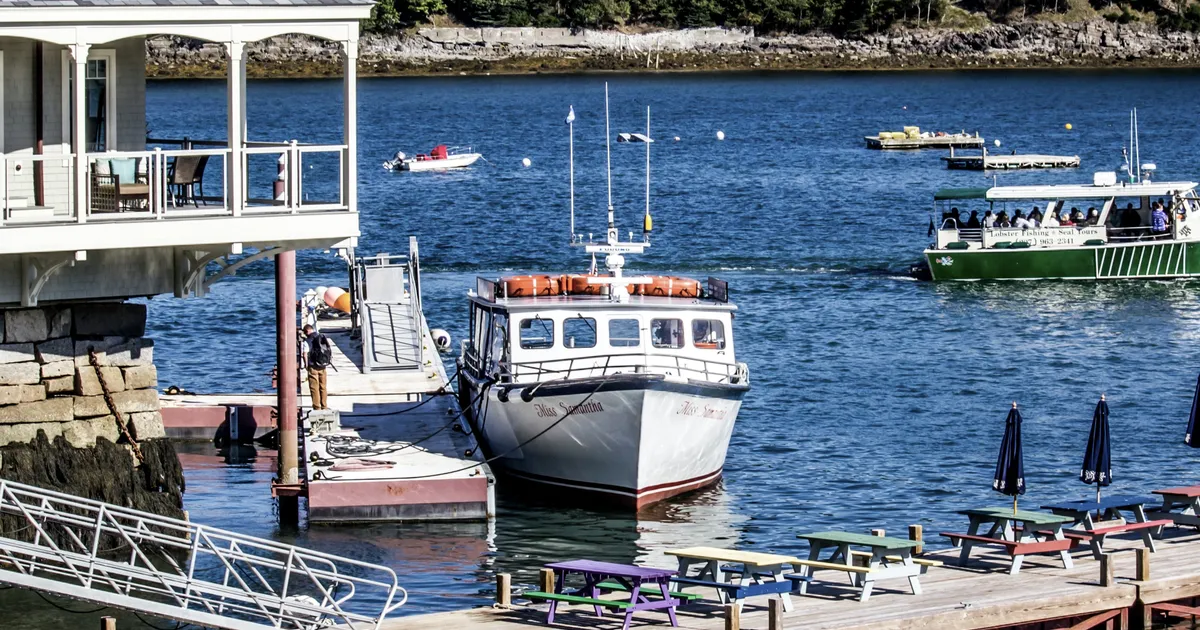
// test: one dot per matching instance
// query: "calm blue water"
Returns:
(877, 401)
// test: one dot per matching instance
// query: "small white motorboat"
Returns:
(440, 157)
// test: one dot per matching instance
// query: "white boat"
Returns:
(439, 158)
(601, 385)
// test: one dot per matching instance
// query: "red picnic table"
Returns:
(1181, 505)
(630, 578)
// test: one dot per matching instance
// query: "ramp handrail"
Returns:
(125, 558)
(410, 305)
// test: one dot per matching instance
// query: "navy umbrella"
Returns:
(1192, 438)
(1097, 457)
(1010, 466)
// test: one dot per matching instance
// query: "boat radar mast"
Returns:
(613, 248)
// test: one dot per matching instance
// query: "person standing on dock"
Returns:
(318, 357)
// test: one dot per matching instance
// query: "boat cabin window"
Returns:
(537, 333)
(579, 332)
(499, 350)
(666, 333)
(624, 333)
(708, 334)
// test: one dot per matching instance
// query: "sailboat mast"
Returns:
(612, 224)
(647, 163)
(571, 133)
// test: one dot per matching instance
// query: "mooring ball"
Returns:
(997, 141)
(720, 135)
(526, 162)
(441, 339)
(1068, 126)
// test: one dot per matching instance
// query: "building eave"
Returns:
(176, 14)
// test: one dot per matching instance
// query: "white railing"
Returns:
(18, 182)
(292, 196)
(174, 569)
(106, 201)
(685, 366)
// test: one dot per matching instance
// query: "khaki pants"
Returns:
(317, 389)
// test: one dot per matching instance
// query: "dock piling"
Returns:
(285, 342)
(733, 617)
(775, 614)
(880, 532)
(917, 533)
(546, 580)
(1142, 573)
(1106, 569)
(108, 623)
(503, 590)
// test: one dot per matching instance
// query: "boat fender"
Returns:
(502, 395)
(527, 394)
(441, 339)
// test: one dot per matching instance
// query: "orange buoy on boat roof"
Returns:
(577, 284)
(527, 286)
(337, 298)
(669, 286)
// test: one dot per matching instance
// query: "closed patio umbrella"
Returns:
(1097, 457)
(1010, 465)
(1192, 438)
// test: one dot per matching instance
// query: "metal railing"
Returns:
(119, 557)
(609, 364)
(18, 183)
(290, 158)
(387, 301)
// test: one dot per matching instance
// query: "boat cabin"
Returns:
(536, 338)
(1110, 213)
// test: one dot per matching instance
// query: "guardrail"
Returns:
(115, 556)
(18, 183)
(608, 364)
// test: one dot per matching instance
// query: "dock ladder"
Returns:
(386, 294)
(124, 558)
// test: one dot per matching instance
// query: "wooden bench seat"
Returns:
(836, 566)
(921, 561)
(611, 585)
(1014, 548)
(576, 599)
(1130, 527)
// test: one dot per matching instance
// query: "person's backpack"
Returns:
(320, 354)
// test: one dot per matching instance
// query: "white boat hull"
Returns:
(460, 160)
(637, 443)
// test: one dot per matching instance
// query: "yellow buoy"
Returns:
(342, 303)
(1068, 126)
(649, 224)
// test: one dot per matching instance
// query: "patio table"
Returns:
(889, 558)
(1110, 521)
(631, 577)
(753, 573)
(1002, 525)
(1181, 505)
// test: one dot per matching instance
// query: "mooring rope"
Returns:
(112, 406)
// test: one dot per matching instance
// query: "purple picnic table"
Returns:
(630, 576)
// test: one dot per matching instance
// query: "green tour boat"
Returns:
(1111, 230)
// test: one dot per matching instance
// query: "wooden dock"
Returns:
(953, 141)
(986, 162)
(982, 595)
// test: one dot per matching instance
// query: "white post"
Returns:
(571, 132)
(613, 237)
(236, 95)
(350, 123)
(79, 54)
(648, 138)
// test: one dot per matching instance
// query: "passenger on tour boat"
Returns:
(1158, 219)
(1077, 216)
(1093, 216)
(1050, 220)
(1067, 218)
(1023, 222)
(1002, 219)
(1035, 217)
(973, 221)
(989, 219)
(1129, 218)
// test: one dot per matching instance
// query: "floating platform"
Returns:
(982, 595)
(954, 141)
(986, 162)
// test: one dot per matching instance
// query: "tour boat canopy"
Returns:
(1086, 191)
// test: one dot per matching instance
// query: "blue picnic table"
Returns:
(631, 578)
(1095, 520)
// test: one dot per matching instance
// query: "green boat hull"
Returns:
(1153, 260)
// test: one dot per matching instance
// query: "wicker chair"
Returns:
(112, 193)
(185, 180)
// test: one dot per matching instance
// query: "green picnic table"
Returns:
(1039, 533)
(887, 558)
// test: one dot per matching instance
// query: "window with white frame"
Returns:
(99, 101)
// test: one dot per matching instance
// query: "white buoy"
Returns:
(441, 339)
(720, 135)
(526, 162)
(997, 141)
(676, 138)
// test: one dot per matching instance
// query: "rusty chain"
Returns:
(94, 360)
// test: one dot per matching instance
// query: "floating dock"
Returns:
(949, 141)
(986, 162)
(982, 595)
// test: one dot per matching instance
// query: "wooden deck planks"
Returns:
(982, 595)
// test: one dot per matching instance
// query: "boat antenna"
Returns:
(571, 134)
(647, 223)
(613, 237)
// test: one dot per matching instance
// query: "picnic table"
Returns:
(1180, 505)
(735, 574)
(1111, 521)
(1020, 533)
(888, 558)
(631, 579)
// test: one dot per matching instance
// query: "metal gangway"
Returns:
(386, 298)
(123, 558)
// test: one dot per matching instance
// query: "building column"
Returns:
(79, 55)
(350, 124)
(236, 107)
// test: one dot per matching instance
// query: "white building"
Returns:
(90, 209)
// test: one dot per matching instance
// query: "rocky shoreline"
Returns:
(1094, 44)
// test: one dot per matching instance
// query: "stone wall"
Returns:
(47, 382)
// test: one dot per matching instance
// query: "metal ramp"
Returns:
(387, 298)
(122, 558)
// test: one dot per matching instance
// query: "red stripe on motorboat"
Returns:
(626, 496)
